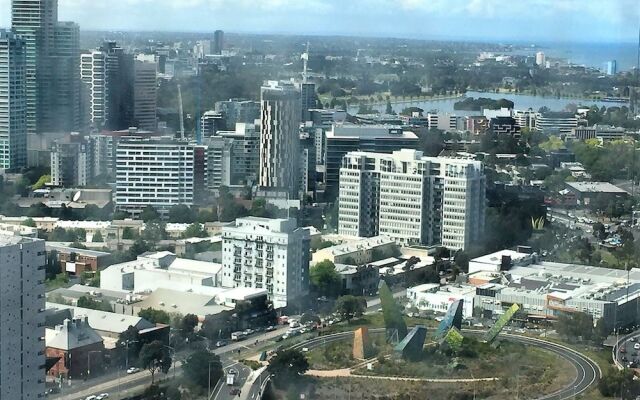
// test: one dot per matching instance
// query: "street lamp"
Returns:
(126, 362)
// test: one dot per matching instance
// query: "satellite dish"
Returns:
(76, 196)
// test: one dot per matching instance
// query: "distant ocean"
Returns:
(594, 55)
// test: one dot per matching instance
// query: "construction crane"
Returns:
(181, 112)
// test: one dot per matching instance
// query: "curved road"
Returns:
(587, 371)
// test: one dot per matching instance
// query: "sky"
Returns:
(493, 20)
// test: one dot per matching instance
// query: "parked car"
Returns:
(221, 343)
(270, 328)
(133, 370)
(102, 396)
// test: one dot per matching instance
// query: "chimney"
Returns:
(505, 264)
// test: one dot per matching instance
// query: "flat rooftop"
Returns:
(596, 187)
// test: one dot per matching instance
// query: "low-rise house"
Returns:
(78, 347)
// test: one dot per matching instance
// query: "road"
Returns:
(627, 350)
(121, 385)
(587, 371)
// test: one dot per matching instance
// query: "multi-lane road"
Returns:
(119, 385)
(587, 371)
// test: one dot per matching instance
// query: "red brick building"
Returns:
(78, 347)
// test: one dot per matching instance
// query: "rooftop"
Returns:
(104, 321)
(72, 334)
(596, 187)
(355, 131)
(363, 244)
(173, 301)
(66, 249)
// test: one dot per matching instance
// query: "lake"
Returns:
(521, 102)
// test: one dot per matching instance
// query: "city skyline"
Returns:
(557, 21)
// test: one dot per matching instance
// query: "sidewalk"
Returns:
(248, 391)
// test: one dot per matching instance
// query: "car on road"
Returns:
(221, 343)
(133, 370)
(270, 328)
(234, 392)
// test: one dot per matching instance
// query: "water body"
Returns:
(521, 102)
(595, 55)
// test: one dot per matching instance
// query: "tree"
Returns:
(155, 357)
(188, 324)
(259, 209)
(391, 312)
(461, 259)
(389, 109)
(154, 232)
(88, 302)
(287, 366)
(324, 279)
(198, 365)
(29, 222)
(128, 346)
(155, 316)
(618, 383)
(181, 214)
(52, 267)
(97, 238)
(599, 231)
(350, 307)
(205, 216)
(128, 233)
(441, 253)
(149, 213)
(195, 230)
(575, 325)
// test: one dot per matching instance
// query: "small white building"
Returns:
(433, 297)
(162, 270)
(271, 254)
(493, 262)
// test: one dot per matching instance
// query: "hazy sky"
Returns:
(509, 20)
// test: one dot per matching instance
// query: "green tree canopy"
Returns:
(324, 279)
(188, 324)
(155, 357)
(128, 346)
(195, 230)
(88, 302)
(350, 307)
(198, 366)
(97, 238)
(181, 214)
(287, 366)
(155, 316)
(149, 213)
